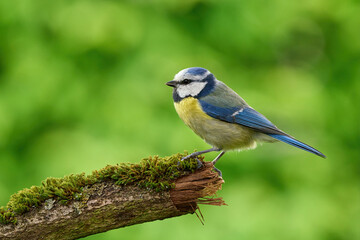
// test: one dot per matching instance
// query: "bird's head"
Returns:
(192, 82)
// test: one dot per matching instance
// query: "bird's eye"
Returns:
(186, 81)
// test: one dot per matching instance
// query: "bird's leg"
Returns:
(215, 160)
(195, 154)
(218, 157)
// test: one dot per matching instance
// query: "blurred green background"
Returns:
(82, 86)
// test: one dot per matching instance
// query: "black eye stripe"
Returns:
(186, 81)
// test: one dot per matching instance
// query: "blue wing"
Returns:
(248, 117)
(245, 116)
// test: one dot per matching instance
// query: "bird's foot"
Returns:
(199, 163)
(218, 171)
(189, 156)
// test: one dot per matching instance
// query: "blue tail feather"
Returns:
(296, 143)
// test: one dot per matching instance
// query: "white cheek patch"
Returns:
(191, 89)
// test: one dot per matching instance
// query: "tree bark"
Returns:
(107, 206)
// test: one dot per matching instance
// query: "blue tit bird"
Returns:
(221, 117)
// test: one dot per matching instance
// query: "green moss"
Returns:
(154, 173)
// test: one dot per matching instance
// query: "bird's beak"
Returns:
(171, 83)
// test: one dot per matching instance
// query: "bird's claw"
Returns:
(218, 171)
(199, 164)
(186, 157)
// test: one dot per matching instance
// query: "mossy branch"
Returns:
(116, 196)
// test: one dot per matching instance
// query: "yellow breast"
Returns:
(189, 110)
(220, 134)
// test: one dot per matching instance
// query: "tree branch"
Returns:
(104, 205)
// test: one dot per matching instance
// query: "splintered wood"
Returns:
(197, 188)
